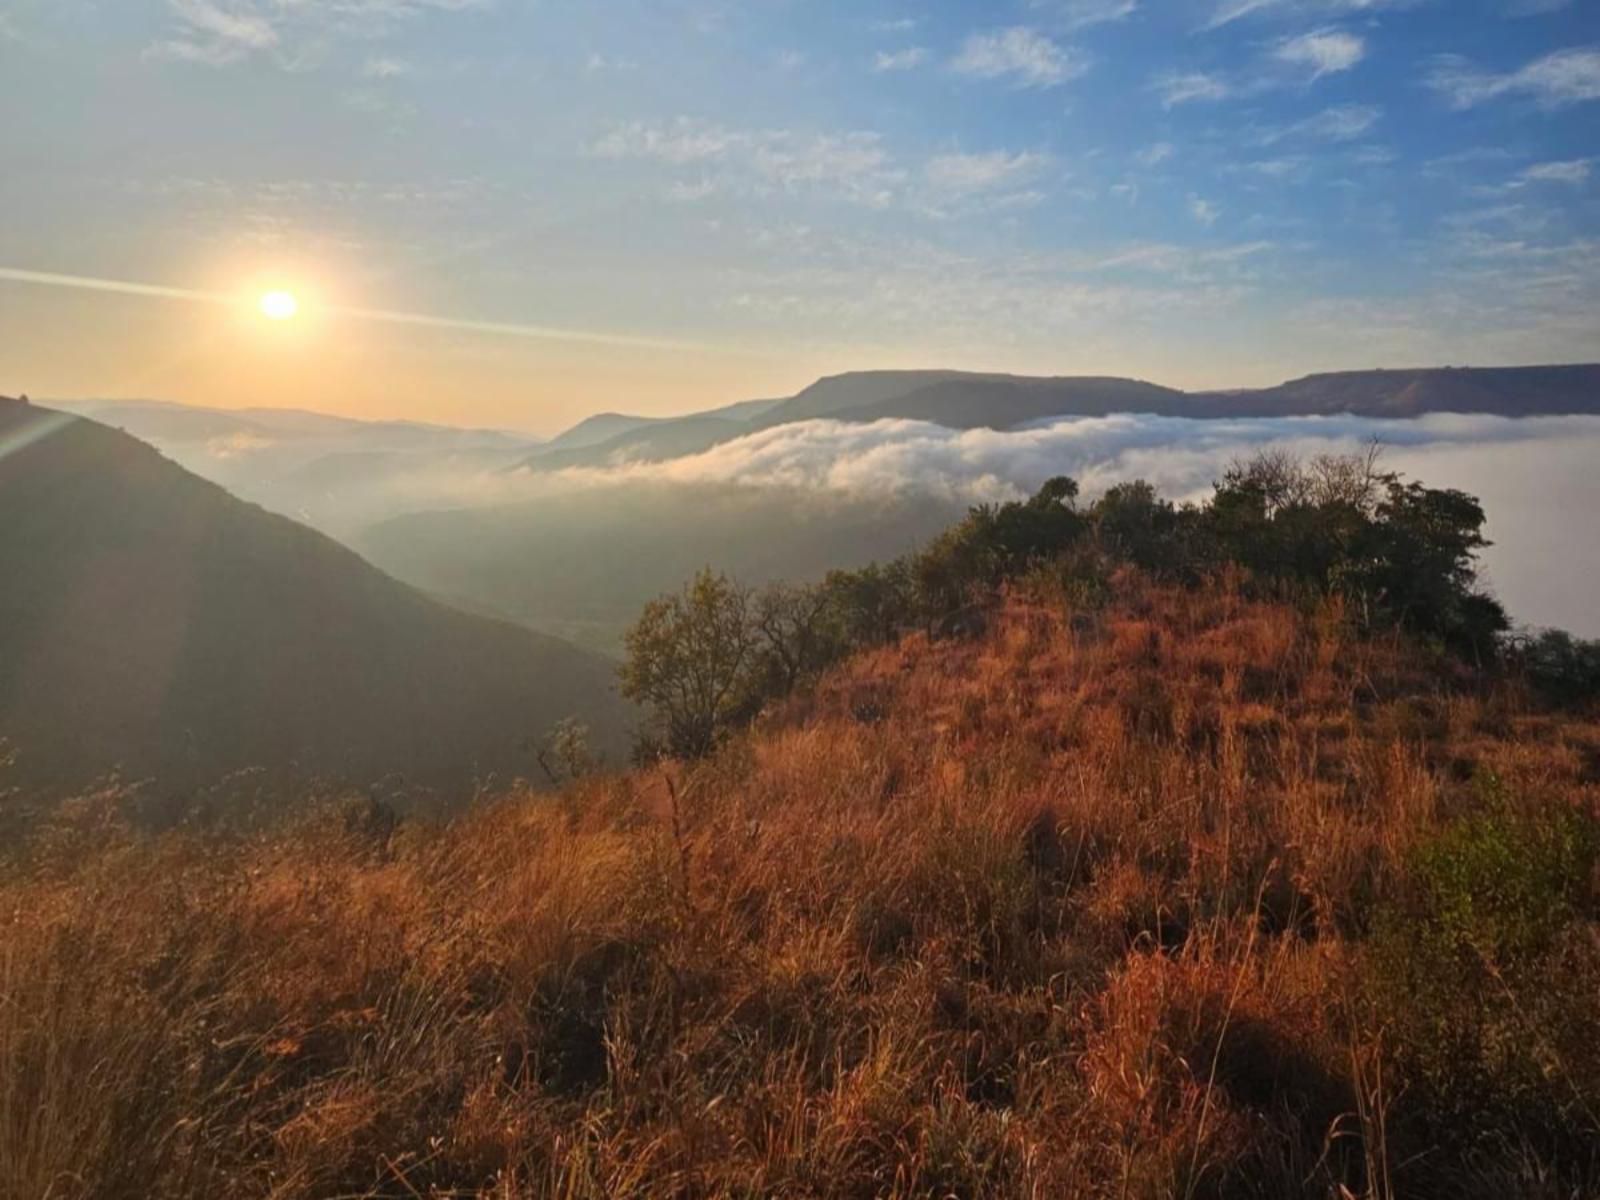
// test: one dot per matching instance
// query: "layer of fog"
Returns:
(1537, 477)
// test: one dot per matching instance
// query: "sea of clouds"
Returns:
(1538, 478)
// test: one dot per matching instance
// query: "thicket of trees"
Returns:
(1401, 554)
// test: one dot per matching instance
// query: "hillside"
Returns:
(1178, 894)
(153, 622)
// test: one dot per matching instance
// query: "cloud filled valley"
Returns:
(463, 519)
(1535, 476)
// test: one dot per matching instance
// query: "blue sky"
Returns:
(1201, 192)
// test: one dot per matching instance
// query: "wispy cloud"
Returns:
(1155, 155)
(1189, 87)
(1566, 77)
(967, 174)
(677, 142)
(1290, 167)
(1322, 51)
(900, 60)
(854, 165)
(1080, 14)
(210, 33)
(1574, 171)
(1204, 211)
(220, 32)
(386, 67)
(1300, 60)
(1532, 8)
(1342, 123)
(1226, 12)
(1025, 55)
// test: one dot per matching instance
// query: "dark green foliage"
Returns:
(1421, 551)
(998, 542)
(1133, 523)
(690, 658)
(874, 604)
(1562, 669)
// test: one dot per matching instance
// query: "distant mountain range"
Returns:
(964, 400)
(151, 621)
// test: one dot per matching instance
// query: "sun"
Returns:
(279, 306)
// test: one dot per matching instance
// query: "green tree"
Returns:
(872, 605)
(690, 657)
(796, 636)
(995, 543)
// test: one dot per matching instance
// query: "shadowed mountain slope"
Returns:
(151, 621)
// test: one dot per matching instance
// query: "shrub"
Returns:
(1560, 668)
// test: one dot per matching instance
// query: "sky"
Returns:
(517, 212)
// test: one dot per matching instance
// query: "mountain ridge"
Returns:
(997, 400)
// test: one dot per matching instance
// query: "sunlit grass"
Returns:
(1083, 907)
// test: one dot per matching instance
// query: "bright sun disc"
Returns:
(279, 306)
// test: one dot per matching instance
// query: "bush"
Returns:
(1560, 668)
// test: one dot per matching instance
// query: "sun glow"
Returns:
(279, 306)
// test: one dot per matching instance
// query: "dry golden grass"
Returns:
(1079, 908)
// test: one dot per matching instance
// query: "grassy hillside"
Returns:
(1177, 894)
(150, 621)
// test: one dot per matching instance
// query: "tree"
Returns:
(794, 634)
(998, 542)
(690, 657)
(872, 605)
(1421, 565)
(564, 753)
(1131, 521)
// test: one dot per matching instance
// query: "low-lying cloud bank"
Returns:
(1537, 477)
